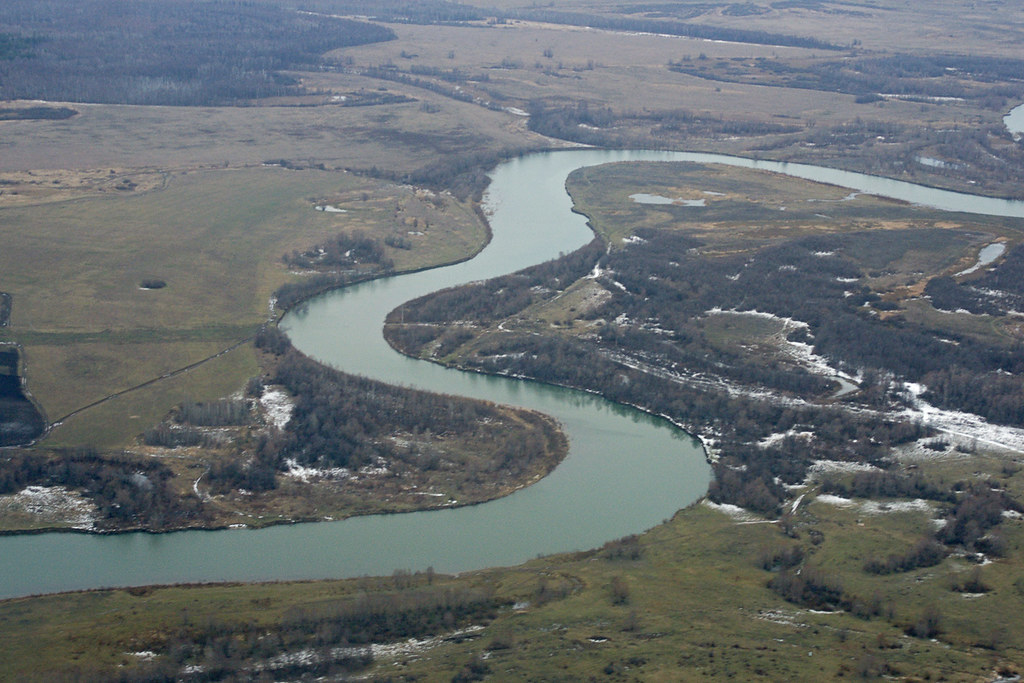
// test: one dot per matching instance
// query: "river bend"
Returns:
(625, 472)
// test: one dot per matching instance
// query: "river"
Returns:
(625, 472)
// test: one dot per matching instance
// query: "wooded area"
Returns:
(172, 52)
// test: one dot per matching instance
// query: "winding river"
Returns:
(626, 471)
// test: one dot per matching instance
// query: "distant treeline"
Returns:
(175, 52)
(907, 75)
(439, 12)
(596, 125)
(668, 27)
(36, 113)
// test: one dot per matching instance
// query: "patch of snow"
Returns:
(735, 511)
(828, 466)
(776, 437)
(327, 208)
(829, 499)
(305, 474)
(55, 503)
(644, 198)
(919, 98)
(278, 406)
(970, 428)
(874, 507)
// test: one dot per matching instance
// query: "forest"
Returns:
(648, 329)
(664, 287)
(341, 420)
(170, 52)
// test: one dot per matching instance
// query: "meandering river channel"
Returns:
(626, 471)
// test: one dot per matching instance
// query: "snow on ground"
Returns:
(798, 352)
(305, 474)
(277, 405)
(829, 499)
(875, 507)
(777, 437)
(739, 514)
(52, 503)
(406, 648)
(965, 428)
(830, 466)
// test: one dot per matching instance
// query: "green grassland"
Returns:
(216, 238)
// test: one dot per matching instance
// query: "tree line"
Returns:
(925, 76)
(669, 27)
(328, 639)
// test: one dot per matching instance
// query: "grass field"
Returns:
(215, 237)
